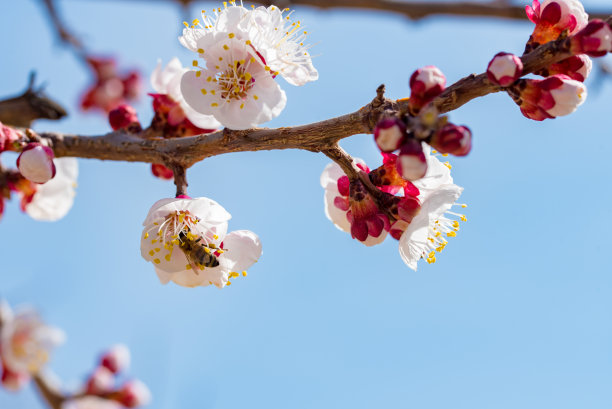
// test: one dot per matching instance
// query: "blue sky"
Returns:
(515, 312)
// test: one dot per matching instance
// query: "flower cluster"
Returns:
(421, 219)
(562, 91)
(25, 345)
(187, 242)
(100, 389)
(243, 51)
(45, 185)
(110, 89)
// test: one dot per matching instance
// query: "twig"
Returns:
(49, 392)
(63, 33)
(32, 104)
(417, 10)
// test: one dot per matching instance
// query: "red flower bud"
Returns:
(425, 84)
(390, 134)
(594, 40)
(124, 117)
(35, 163)
(504, 69)
(161, 171)
(453, 139)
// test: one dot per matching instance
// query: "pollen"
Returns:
(225, 47)
(463, 218)
(188, 267)
(168, 257)
(157, 261)
(199, 74)
(203, 91)
(231, 35)
(255, 97)
(200, 50)
(146, 236)
(244, 273)
(214, 104)
(151, 252)
(194, 63)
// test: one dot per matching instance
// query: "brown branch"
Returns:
(49, 392)
(417, 10)
(32, 104)
(315, 137)
(63, 33)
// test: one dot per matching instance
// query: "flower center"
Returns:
(441, 229)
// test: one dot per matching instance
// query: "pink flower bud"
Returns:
(554, 96)
(100, 382)
(411, 163)
(133, 394)
(577, 67)
(116, 359)
(425, 84)
(594, 40)
(124, 117)
(453, 139)
(7, 137)
(389, 134)
(504, 69)
(552, 17)
(14, 381)
(35, 163)
(161, 171)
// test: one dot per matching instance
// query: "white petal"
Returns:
(243, 250)
(337, 216)
(54, 199)
(437, 175)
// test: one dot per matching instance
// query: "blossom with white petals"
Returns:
(235, 87)
(187, 241)
(167, 81)
(53, 200)
(25, 341)
(270, 32)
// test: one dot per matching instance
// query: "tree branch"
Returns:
(415, 10)
(314, 137)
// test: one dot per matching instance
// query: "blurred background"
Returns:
(516, 312)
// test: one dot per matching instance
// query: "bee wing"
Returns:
(196, 268)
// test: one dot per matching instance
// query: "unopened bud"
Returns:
(7, 137)
(133, 394)
(594, 40)
(124, 117)
(100, 382)
(35, 163)
(116, 359)
(389, 134)
(161, 171)
(425, 84)
(554, 96)
(411, 162)
(504, 69)
(453, 139)
(577, 67)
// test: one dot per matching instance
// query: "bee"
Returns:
(198, 254)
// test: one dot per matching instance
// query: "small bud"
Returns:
(389, 134)
(577, 67)
(554, 96)
(425, 84)
(133, 394)
(116, 359)
(504, 69)
(100, 382)
(124, 117)
(411, 163)
(161, 171)
(14, 381)
(594, 40)
(7, 137)
(453, 139)
(35, 163)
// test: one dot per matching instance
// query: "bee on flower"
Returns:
(187, 241)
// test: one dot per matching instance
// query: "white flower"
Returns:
(187, 241)
(336, 200)
(26, 342)
(236, 88)
(428, 231)
(167, 81)
(53, 200)
(278, 41)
